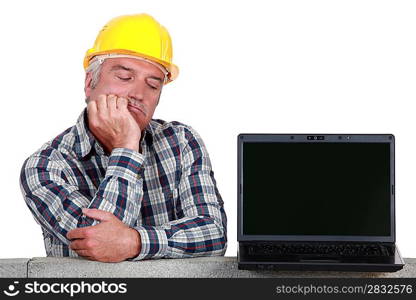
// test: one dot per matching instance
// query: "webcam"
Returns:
(315, 137)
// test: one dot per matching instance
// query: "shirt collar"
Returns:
(84, 139)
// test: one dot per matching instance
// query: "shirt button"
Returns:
(58, 218)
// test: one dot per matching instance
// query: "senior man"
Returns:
(120, 185)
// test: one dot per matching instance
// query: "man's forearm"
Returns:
(56, 203)
(186, 237)
(122, 175)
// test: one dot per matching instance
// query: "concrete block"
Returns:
(167, 268)
(14, 267)
(204, 267)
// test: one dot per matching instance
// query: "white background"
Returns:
(258, 66)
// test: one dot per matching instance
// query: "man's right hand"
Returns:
(112, 124)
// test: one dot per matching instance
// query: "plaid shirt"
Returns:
(168, 193)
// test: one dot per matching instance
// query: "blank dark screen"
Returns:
(316, 189)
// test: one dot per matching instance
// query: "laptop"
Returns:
(317, 202)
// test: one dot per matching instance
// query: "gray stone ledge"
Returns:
(204, 267)
(14, 267)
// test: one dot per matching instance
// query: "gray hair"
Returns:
(95, 69)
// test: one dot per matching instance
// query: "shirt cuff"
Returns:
(125, 163)
(154, 242)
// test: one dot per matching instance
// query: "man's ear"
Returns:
(87, 87)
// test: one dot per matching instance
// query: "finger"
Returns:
(92, 109)
(102, 103)
(111, 102)
(77, 233)
(84, 253)
(78, 244)
(122, 103)
(97, 214)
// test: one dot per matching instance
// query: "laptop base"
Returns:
(320, 267)
(386, 264)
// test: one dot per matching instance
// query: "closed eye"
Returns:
(153, 83)
(124, 78)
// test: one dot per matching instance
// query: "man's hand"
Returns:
(109, 241)
(112, 124)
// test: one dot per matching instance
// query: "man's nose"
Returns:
(137, 92)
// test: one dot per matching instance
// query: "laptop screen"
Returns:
(320, 189)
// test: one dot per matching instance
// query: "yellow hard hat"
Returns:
(138, 35)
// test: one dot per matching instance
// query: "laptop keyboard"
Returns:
(320, 249)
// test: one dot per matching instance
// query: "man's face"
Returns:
(137, 80)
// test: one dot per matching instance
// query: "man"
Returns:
(119, 185)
